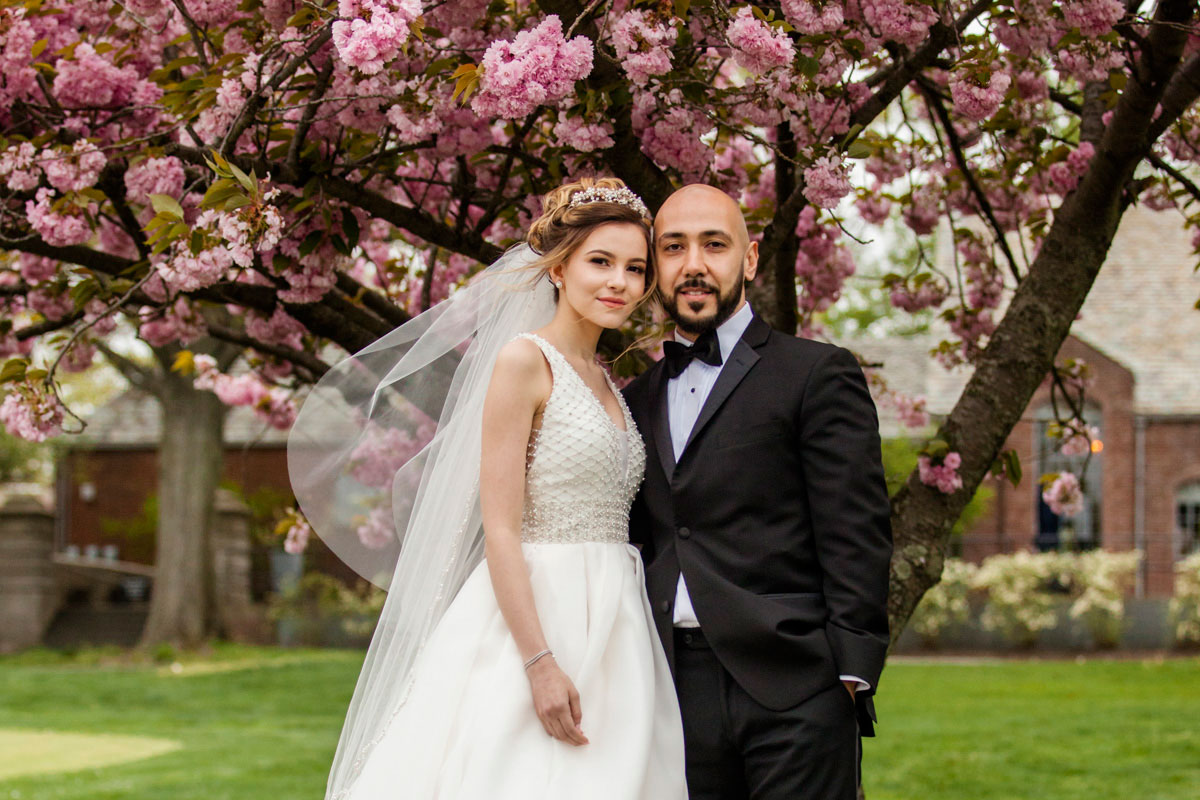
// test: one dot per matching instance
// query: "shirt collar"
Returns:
(728, 332)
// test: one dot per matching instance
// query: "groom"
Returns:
(763, 522)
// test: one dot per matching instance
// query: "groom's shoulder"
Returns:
(799, 349)
(638, 387)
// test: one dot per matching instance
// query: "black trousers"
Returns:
(738, 750)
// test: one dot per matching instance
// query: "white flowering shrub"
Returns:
(1185, 605)
(1019, 600)
(1099, 582)
(945, 604)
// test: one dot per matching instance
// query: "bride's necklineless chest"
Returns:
(620, 421)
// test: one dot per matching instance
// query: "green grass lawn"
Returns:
(257, 724)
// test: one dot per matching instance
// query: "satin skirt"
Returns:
(468, 730)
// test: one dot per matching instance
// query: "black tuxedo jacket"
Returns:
(777, 514)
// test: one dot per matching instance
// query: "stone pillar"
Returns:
(229, 551)
(28, 590)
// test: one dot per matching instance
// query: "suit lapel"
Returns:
(662, 423)
(741, 361)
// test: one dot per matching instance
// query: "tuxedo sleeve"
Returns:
(851, 515)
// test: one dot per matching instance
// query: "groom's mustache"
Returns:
(695, 283)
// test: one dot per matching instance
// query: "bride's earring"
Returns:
(558, 284)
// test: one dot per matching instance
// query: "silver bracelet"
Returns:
(533, 660)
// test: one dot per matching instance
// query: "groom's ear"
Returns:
(751, 263)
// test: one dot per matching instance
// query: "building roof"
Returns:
(134, 419)
(1140, 312)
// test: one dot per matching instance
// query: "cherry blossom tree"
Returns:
(285, 175)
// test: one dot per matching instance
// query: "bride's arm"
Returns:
(521, 383)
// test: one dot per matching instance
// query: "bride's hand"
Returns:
(556, 701)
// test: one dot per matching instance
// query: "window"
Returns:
(1187, 519)
(1082, 531)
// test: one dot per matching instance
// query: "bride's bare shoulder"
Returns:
(521, 360)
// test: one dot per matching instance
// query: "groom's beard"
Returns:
(726, 304)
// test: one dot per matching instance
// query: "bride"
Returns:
(515, 657)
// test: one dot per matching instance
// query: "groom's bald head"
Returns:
(703, 256)
(704, 201)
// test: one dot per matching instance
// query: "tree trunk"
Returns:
(1022, 350)
(189, 465)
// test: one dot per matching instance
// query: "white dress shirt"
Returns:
(686, 395)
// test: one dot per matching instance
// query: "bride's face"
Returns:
(606, 275)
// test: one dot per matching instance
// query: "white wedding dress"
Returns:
(468, 730)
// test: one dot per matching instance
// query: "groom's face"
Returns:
(703, 256)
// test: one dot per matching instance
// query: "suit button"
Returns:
(685, 533)
(664, 606)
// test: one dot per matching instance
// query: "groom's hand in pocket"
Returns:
(556, 701)
(851, 687)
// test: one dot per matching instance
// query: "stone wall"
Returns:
(29, 594)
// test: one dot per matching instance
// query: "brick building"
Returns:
(1140, 333)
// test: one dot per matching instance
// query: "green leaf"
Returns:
(860, 149)
(350, 228)
(681, 8)
(242, 178)
(340, 245)
(84, 291)
(35, 374)
(165, 204)
(14, 370)
(38, 47)
(1012, 466)
(310, 243)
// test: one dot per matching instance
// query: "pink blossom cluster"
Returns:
(273, 404)
(538, 67)
(985, 285)
(910, 410)
(670, 132)
(918, 295)
(873, 207)
(154, 176)
(756, 47)
(89, 80)
(1077, 438)
(280, 328)
(18, 168)
(257, 227)
(295, 541)
(36, 269)
(976, 98)
(1065, 175)
(585, 137)
(79, 357)
(822, 264)
(383, 452)
(59, 229)
(178, 322)
(944, 476)
(643, 45)
(826, 182)
(310, 282)
(17, 38)
(77, 170)
(899, 20)
(812, 17)
(52, 302)
(211, 12)
(1064, 495)
(185, 272)
(370, 33)
(31, 412)
(923, 211)
(377, 530)
(1093, 18)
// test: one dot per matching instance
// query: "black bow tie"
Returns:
(707, 348)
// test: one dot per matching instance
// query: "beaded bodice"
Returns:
(583, 471)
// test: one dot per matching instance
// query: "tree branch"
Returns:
(985, 205)
(315, 366)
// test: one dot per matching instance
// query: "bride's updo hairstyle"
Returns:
(562, 227)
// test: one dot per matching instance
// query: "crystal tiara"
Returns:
(600, 194)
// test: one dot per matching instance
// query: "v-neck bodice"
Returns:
(583, 470)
